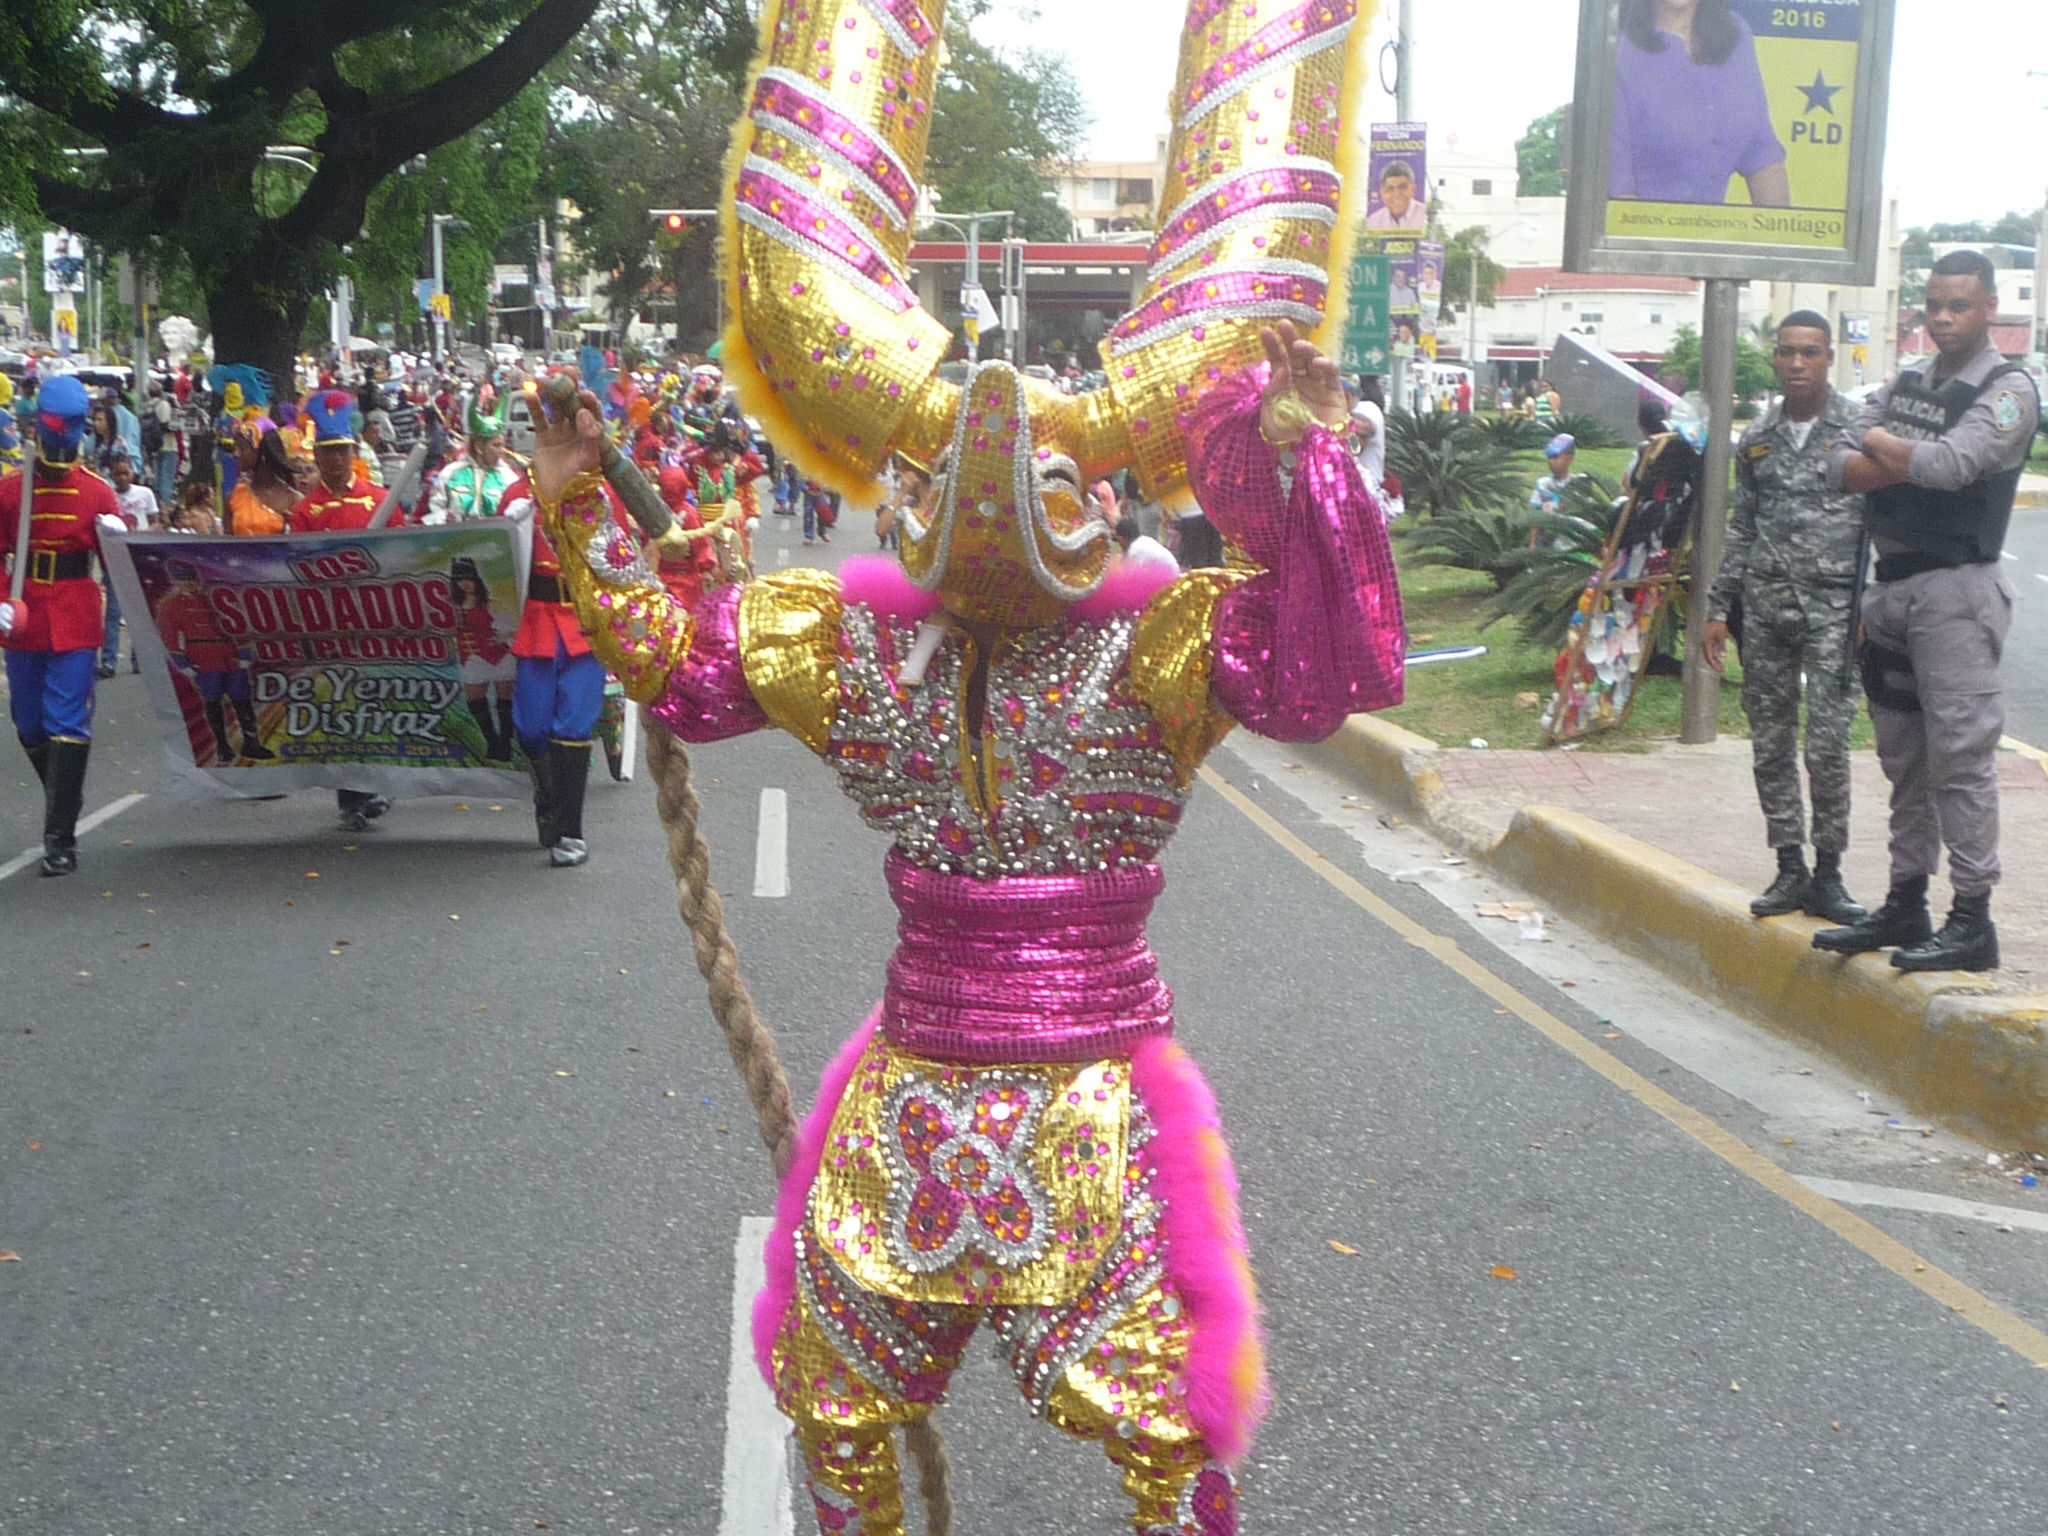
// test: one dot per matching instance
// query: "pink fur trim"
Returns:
(774, 1301)
(878, 582)
(1206, 1255)
(1126, 589)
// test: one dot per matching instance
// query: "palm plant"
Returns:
(1472, 541)
(1512, 434)
(1541, 583)
(1446, 465)
(1587, 431)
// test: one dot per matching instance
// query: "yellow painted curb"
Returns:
(1948, 1047)
(1951, 1049)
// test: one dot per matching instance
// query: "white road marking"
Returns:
(2039, 577)
(782, 555)
(1847, 1192)
(108, 812)
(771, 845)
(757, 1501)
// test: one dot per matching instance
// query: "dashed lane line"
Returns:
(105, 813)
(756, 1477)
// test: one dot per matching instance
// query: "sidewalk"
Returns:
(1661, 851)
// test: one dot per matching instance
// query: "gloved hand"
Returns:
(112, 524)
(10, 615)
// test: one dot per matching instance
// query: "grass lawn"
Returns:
(1498, 697)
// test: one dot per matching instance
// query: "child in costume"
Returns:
(1013, 1140)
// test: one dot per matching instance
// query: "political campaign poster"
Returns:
(364, 661)
(1429, 292)
(1405, 257)
(1397, 177)
(1367, 330)
(63, 262)
(1745, 145)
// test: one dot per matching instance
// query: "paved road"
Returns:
(412, 1238)
(2026, 647)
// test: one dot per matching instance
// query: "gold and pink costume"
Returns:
(1014, 1139)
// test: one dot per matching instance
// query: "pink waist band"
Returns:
(1023, 968)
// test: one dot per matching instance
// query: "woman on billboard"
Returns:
(1690, 109)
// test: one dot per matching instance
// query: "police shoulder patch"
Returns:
(2006, 411)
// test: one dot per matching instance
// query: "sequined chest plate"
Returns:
(986, 1186)
(1071, 773)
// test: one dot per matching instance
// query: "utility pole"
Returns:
(440, 222)
(1699, 708)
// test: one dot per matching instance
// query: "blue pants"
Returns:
(166, 477)
(110, 642)
(50, 694)
(556, 699)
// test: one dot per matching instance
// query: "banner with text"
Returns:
(349, 660)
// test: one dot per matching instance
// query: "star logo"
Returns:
(1820, 96)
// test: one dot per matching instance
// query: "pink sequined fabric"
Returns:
(1026, 968)
(1319, 634)
(707, 698)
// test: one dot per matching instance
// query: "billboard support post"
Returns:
(1699, 707)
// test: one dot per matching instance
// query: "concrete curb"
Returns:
(1948, 1047)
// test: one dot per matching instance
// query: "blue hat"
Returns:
(1564, 442)
(60, 413)
(331, 411)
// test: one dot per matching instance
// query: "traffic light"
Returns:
(674, 223)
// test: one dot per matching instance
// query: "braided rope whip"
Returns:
(747, 1038)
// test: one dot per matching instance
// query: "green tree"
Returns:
(1753, 375)
(1460, 252)
(150, 126)
(1539, 156)
(997, 124)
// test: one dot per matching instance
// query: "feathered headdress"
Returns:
(244, 388)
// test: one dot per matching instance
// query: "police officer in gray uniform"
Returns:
(1939, 450)
(1793, 558)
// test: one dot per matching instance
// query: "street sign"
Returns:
(1366, 329)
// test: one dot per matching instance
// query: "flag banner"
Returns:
(364, 661)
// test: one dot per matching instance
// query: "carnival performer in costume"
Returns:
(474, 486)
(10, 439)
(51, 629)
(1014, 1140)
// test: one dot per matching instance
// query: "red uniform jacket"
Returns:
(542, 622)
(321, 511)
(188, 628)
(65, 613)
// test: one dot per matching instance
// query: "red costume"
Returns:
(65, 609)
(189, 629)
(548, 615)
(323, 511)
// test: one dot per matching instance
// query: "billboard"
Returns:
(1748, 146)
(63, 262)
(346, 660)
(1397, 172)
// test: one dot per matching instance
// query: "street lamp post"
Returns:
(441, 221)
(971, 281)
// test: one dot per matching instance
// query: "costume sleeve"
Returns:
(1317, 633)
(748, 657)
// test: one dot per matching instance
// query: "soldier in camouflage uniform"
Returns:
(1793, 557)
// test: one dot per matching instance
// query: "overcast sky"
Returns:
(1968, 136)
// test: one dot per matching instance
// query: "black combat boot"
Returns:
(480, 711)
(1787, 893)
(503, 754)
(217, 722)
(1827, 898)
(540, 766)
(39, 759)
(1903, 919)
(252, 738)
(1967, 942)
(572, 776)
(63, 795)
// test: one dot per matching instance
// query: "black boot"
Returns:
(480, 711)
(1787, 893)
(217, 722)
(572, 776)
(540, 766)
(39, 759)
(252, 738)
(1967, 941)
(1903, 919)
(1827, 898)
(63, 795)
(505, 733)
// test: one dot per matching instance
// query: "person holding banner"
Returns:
(53, 619)
(342, 499)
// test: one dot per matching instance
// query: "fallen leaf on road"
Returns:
(1503, 1272)
(497, 807)
(668, 1093)
(341, 943)
(560, 1073)
(9, 1256)
(460, 805)
(1567, 983)
(1343, 1248)
(480, 1007)
(348, 847)
(142, 946)
(127, 842)
(35, 1146)
(334, 951)
(312, 874)
(1787, 1141)
(289, 902)
(1734, 1386)
(454, 917)
(1614, 1034)
(106, 895)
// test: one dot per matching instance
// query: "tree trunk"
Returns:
(248, 330)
